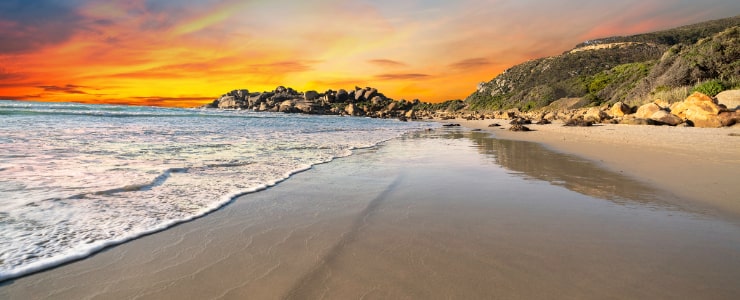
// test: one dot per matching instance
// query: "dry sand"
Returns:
(701, 164)
(449, 214)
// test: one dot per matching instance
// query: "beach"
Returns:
(445, 213)
(700, 164)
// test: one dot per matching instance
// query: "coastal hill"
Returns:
(664, 64)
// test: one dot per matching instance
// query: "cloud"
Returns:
(405, 76)
(30, 25)
(471, 63)
(67, 89)
(386, 63)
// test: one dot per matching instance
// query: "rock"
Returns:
(662, 104)
(376, 101)
(729, 118)
(451, 125)
(664, 117)
(730, 99)
(595, 114)
(410, 114)
(520, 121)
(620, 109)
(280, 89)
(543, 122)
(647, 110)
(700, 109)
(578, 123)
(637, 121)
(306, 107)
(494, 125)
(311, 95)
(550, 116)
(519, 127)
(370, 93)
(263, 107)
(342, 95)
(352, 110)
(227, 102)
(286, 106)
(359, 95)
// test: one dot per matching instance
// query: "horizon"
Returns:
(164, 53)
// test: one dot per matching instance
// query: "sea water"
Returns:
(77, 178)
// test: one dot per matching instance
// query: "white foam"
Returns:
(75, 184)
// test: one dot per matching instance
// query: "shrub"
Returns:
(710, 88)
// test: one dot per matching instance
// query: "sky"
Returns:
(188, 52)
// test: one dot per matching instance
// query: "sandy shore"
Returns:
(701, 164)
(437, 215)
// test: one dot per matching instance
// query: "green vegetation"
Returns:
(663, 64)
(711, 87)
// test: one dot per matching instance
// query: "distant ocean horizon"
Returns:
(77, 178)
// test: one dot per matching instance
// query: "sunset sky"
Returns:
(185, 53)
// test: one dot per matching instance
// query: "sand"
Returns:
(698, 164)
(436, 215)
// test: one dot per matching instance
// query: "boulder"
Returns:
(359, 95)
(595, 114)
(637, 121)
(647, 110)
(664, 117)
(700, 109)
(519, 127)
(342, 95)
(311, 95)
(730, 99)
(286, 106)
(306, 107)
(370, 93)
(550, 116)
(280, 89)
(411, 114)
(662, 103)
(729, 118)
(352, 110)
(227, 102)
(620, 109)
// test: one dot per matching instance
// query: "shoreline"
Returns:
(699, 165)
(441, 213)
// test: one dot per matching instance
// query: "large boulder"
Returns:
(342, 95)
(595, 114)
(700, 109)
(311, 95)
(228, 102)
(664, 117)
(730, 99)
(359, 95)
(647, 110)
(619, 109)
(287, 106)
(370, 93)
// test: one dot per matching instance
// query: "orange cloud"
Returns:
(172, 54)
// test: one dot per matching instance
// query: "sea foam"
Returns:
(79, 178)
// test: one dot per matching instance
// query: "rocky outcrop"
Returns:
(356, 102)
(647, 110)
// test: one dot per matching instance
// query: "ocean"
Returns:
(76, 178)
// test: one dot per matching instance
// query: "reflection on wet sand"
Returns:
(532, 160)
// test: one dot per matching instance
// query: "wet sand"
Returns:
(443, 214)
(700, 164)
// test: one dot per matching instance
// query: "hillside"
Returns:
(666, 63)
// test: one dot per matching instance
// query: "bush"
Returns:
(710, 88)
